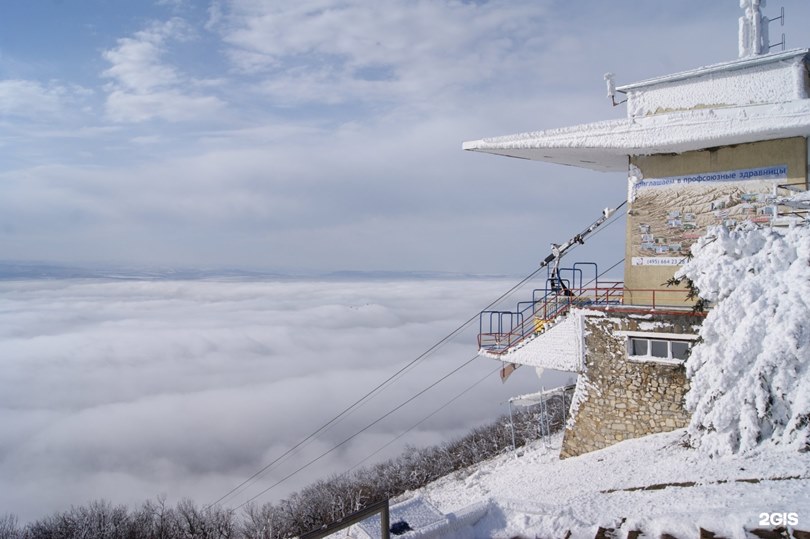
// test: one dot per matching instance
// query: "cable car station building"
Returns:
(717, 145)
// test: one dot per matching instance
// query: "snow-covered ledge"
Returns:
(605, 146)
(560, 347)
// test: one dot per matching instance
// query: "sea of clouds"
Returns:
(131, 389)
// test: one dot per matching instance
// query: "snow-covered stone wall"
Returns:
(618, 399)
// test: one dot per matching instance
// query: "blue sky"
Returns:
(319, 135)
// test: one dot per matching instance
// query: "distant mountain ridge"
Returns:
(24, 270)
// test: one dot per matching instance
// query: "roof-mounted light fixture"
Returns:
(611, 89)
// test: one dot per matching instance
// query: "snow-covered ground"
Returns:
(743, 463)
(656, 483)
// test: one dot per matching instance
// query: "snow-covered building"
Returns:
(713, 145)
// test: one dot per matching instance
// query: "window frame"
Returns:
(651, 336)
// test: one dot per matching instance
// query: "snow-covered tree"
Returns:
(750, 375)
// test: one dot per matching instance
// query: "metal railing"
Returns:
(501, 331)
(358, 516)
(795, 212)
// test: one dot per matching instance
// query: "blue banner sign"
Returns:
(773, 172)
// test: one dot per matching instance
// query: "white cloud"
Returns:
(144, 87)
(354, 50)
(387, 195)
(174, 4)
(125, 390)
(354, 160)
(36, 101)
(136, 61)
(172, 105)
(214, 15)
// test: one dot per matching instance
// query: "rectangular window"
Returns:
(680, 349)
(655, 349)
(638, 347)
(659, 349)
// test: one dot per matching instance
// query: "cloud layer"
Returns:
(125, 390)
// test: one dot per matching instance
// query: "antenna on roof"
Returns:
(781, 19)
(753, 35)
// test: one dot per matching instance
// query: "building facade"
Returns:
(718, 145)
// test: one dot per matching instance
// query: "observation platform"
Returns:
(544, 325)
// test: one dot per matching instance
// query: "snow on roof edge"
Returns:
(597, 145)
(733, 65)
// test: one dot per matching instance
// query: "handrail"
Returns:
(534, 316)
(795, 213)
(502, 329)
(358, 516)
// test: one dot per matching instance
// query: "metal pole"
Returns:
(544, 415)
(512, 426)
(565, 408)
(385, 524)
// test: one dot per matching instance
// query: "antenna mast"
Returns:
(753, 34)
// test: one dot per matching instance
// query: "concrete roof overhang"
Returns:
(606, 146)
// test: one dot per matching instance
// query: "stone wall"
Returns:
(617, 399)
